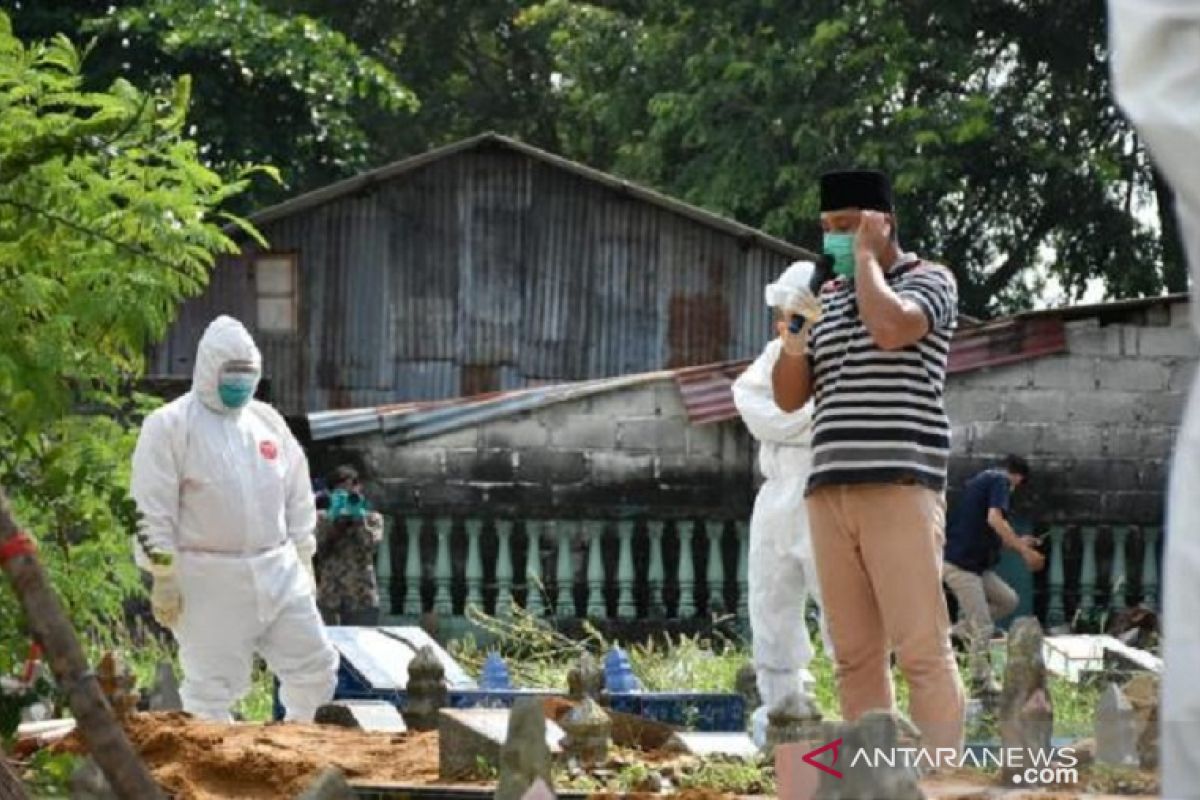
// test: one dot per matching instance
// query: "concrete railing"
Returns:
(567, 569)
(648, 569)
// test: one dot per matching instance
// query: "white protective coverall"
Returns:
(781, 572)
(1155, 47)
(227, 494)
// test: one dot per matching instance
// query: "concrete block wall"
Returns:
(1097, 423)
(625, 451)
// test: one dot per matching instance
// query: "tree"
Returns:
(108, 220)
(994, 119)
(276, 88)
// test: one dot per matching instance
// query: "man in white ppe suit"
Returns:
(1155, 47)
(781, 573)
(226, 531)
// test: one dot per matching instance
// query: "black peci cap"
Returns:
(865, 189)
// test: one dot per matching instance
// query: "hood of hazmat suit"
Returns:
(226, 493)
(1155, 47)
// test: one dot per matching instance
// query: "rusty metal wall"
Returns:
(490, 270)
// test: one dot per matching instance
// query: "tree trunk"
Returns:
(105, 740)
(1175, 270)
(10, 785)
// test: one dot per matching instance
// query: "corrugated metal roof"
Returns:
(1006, 342)
(708, 396)
(361, 182)
(706, 390)
(409, 422)
(1068, 313)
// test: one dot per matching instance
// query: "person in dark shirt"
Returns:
(977, 530)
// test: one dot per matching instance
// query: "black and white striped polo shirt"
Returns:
(880, 415)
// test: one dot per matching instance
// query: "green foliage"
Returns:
(49, 774)
(735, 776)
(271, 87)
(995, 121)
(107, 222)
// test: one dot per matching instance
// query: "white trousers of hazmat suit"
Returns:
(1155, 47)
(781, 572)
(227, 494)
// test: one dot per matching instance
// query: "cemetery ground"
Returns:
(196, 760)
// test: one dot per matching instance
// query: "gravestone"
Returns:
(1026, 712)
(329, 785)
(468, 735)
(875, 731)
(796, 720)
(118, 683)
(426, 690)
(164, 694)
(1116, 729)
(746, 684)
(1142, 692)
(585, 679)
(525, 755)
(588, 732)
(382, 656)
(374, 716)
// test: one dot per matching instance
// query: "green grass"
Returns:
(539, 656)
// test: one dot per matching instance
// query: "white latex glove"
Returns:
(796, 344)
(166, 601)
(799, 301)
(305, 551)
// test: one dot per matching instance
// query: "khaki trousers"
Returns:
(982, 599)
(878, 551)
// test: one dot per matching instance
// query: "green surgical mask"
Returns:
(840, 246)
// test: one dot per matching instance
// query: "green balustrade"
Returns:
(743, 571)
(1150, 568)
(626, 609)
(656, 575)
(383, 571)
(595, 570)
(533, 569)
(1056, 612)
(412, 568)
(715, 571)
(504, 569)
(474, 565)
(1118, 580)
(687, 571)
(564, 606)
(443, 601)
(1087, 573)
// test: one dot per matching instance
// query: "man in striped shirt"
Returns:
(876, 365)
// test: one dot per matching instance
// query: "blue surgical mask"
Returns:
(841, 247)
(236, 389)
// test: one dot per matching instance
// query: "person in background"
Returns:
(226, 532)
(1155, 47)
(977, 530)
(781, 574)
(348, 538)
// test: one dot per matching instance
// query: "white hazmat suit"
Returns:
(226, 494)
(1155, 48)
(781, 571)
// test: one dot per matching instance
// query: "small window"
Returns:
(275, 284)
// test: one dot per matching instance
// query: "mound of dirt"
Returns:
(197, 760)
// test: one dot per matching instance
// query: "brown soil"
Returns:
(197, 760)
